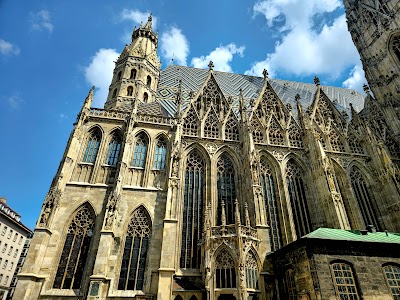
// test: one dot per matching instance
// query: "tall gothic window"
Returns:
(298, 199)
(226, 189)
(114, 148)
(275, 133)
(251, 271)
(392, 275)
(231, 129)
(396, 46)
(192, 212)
(363, 197)
(290, 285)
(211, 125)
(344, 282)
(92, 146)
(225, 271)
(271, 204)
(76, 247)
(160, 154)
(190, 126)
(140, 152)
(295, 136)
(257, 131)
(133, 263)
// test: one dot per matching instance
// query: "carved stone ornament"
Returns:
(279, 155)
(111, 211)
(211, 148)
(343, 161)
(175, 166)
(51, 201)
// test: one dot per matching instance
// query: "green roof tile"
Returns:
(353, 235)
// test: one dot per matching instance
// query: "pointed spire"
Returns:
(246, 211)
(179, 100)
(223, 217)
(242, 108)
(149, 24)
(237, 213)
(89, 98)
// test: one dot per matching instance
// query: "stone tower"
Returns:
(137, 70)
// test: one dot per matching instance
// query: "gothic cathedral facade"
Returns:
(187, 179)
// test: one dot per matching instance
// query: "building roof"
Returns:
(10, 214)
(354, 236)
(231, 84)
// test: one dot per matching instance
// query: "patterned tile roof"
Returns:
(230, 84)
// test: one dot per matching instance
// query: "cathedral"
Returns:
(196, 184)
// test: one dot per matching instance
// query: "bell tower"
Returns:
(137, 70)
(375, 29)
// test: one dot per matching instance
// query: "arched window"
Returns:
(119, 75)
(298, 199)
(148, 81)
(226, 189)
(225, 272)
(160, 154)
(75, 251)
(92, 146)
(231, 129)
(251, 271)
(336, 142)
(133, 263)
(211, 125)
(257, 131)
(140, 152)
(344, 282)
(295, 136)
(271, 205)
(193, 201)
(275, 133)
(190, 126)
(363, 196)
(133, 74)
(355, 145)
(392, 276)
(114, 147)
(114, 93)
(129, 91)
(396, 46)
(145, 97)
(290, 285)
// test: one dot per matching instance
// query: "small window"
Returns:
(11, 266)
(20, 240)
(129, 91)
(10, 233)
(160, 154)
(5, 264)
(114, 93)
(6, 280)
(133, 74)
(119, 75)
(10, 251)
(344, 282)
(4, 248)
(16, 253)
(145, 97)
(15, 236)
(4, 230)
(148, 82)
(1, 278)
(392, 275)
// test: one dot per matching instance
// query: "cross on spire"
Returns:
(211, 65)
(316, 81)
(265, 74)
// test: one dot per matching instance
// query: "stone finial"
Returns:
(237, 213)
(223, 217)
(366, 89)
(316, 81)
(297, 97)
(265, 74)
(246, 211)
(211, 65)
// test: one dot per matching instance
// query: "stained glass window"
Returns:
(190, 125)
(344, 282)
(290, 285)
(92, 146)
(363, 196)
(135, 251)
(140, 152)
(392, 275)
(271, 205)
(160, 154)
(75, 251)
(192, 223)
(225, 272)
(226, 189)
(251, 271)
(114, 148)
(298, 199)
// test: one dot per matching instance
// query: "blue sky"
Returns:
(53, 51)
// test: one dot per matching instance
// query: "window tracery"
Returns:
(355, 144)
(140, 152)
(76, 248)
(396, 46)
(275, 133)
(392, 276)
(295, 136)
(211, 125)
(364, 198)
(336, 142)
(345, 284)
(92, 146)
(226, 189)
(298, 199)
(251, 271)
(231, 129)
(290, 284)
(190, 125)
(225, 272)
(256, 131)
(135, 251)
(192, 225)
(271, 204)
(160, 154)
(114, 148)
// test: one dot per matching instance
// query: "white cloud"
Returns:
(308, 45)
(8, 49)
(99, 73)
(14, 102)
(356, 79)
(221, 57)
(174, 45)
(138, 17)
(42, 21)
